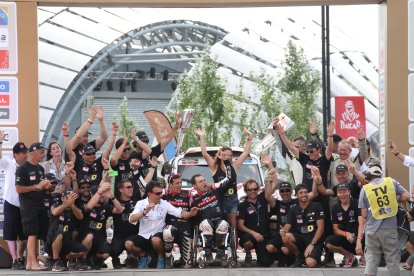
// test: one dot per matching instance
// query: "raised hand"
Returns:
(65, 129)
(100, 113)
(360, 134)
(279, 129)
(392, 147)
(330, 128)
(249, 134)
(265, 159)
(313, 128)
(199, 132)
(154, 161)
(115, 128)
(92, 113)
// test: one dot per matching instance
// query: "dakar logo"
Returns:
(350, 117)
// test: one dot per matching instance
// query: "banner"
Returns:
(161, 127)
(349, 115)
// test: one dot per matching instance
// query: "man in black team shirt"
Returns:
(89, 164)
(348, 226)
(156, 150)
(120, 160)
(177, 230)
(81, 137)
(122, 228)
(31, 187)
(302, 233)
(211, 215)
(61, 225)
(96, 213)
(253, 222)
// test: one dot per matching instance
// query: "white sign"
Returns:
(8, 38)
(11, 137)
(9, 104)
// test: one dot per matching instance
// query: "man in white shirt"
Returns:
(12, 218)
(151, 213)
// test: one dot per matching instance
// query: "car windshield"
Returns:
(245, 171)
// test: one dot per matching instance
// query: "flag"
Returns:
(349, 115)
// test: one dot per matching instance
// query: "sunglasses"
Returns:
(126, 149)
(128, 187)
(284, 191)
(85, 188)
(157, 193)
(310, 151)
(253, 190)
(90, 153)
(174, 176)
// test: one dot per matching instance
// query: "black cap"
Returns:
(88, 148)
(336, 138)
(19, 147)
(51, 177)
(136, 155)
(300, 187)
(342, 186)
(142, 136)
(85, 179)
(285, 186)
(76, 130)
(341, 167)
(313, 145)
(37, 146)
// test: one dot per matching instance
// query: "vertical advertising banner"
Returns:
(349, 115)
(8, 38)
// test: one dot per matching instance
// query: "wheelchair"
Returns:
(198, 255)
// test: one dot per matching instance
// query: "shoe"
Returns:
(131, 262)
(160, 263)
(221, 258)
(116, 263)
(101, 263)
(83, 265)
(71, 265)
(144, 261)
(342, 262)
(49, 264)
(17, 265)
(362, 262)
(350, 262)
(208, 256)
(298, 262)
(58, 267)
(248, 260)
(169, 262)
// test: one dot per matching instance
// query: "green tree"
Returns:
(204, 90)
(300, 84)
(124, 122)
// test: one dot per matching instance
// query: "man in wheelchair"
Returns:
(211, 215)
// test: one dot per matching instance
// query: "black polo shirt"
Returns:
(94, 221)
(303, 221)
(281, 210)
(28, 175)
(122, 227)
(347, 220)
(94, 171)
(255, 215)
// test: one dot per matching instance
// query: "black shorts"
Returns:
(71, 246)
(303, 241)
(35, 222)
(12, 228)
(276, 241)
(336, 240)
(263, 257)
(143, 243)
(100, 246)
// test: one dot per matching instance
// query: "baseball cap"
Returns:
(37, 146)
(285, 186)
(374, 169)
(52, 178)
(85, 179)
(300, 187)
(142, 136)
(336, 138)
(136, 155)
(341, 167)
(76, 130)
(19, 147)
(342, 186)
(313, 145)
(68, 191)
(88, 148)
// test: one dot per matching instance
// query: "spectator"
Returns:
(12, 229)
(55, 163)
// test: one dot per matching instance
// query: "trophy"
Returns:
(186, 117)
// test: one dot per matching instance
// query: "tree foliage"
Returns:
(124, 122)
(300, 83)
(204, 91)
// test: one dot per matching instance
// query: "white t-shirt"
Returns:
(10, 166)
(154, 221)
(408, 161)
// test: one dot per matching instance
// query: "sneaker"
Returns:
(17, 265)
(362, 262)
(58, 267)
(248, 260)
(144, 261)
(298, 262)
(329, 260)
(221, 258)
(131, 262)
(49, 264)
(160, 263)
(349, 262)
(169, 262)
(116, 263)
(22, 261)
(83, 265)
(101, 263)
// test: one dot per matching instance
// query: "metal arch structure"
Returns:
(170, 45)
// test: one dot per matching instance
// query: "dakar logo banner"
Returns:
(349, 115)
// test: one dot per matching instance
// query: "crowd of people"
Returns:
(339, 203)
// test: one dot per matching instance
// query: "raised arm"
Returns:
(239, 162)
(111, 142)
(66, 143)
(317, 184)
(269, 192)
(357, 174)
(118, 152)
(103, 187)
(102, 134)
(279, 129)
(206, 156)
(152, 169)
(362, 145)
(166, 140)
(83, 129)
(146, 149)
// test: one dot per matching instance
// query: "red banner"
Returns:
(349, 115)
